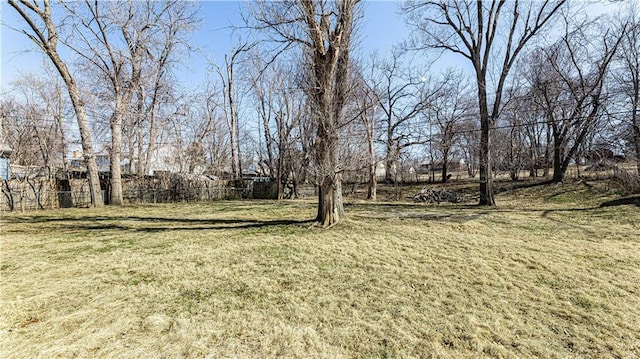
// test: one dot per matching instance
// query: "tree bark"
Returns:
(372, 192)
(323, 29)
(115, 156)
(330, 203)
(326, 207)
(558, 172)
(445, 165)
(486, 178)
(87, 144)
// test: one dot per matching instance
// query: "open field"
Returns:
(548, 273)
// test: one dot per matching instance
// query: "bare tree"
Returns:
(281, 105)
(529, 120)
(572, 93)
(212, 131)
(469, 145)
(34, 127)
(92, 26)
(402, 98)
(230, 106)
(323, 29)
(628, 75)
(43, 32)
(119, 42)
(366, 101)
(154, 85)
(491, 35)
(448, 108)
(264, 92)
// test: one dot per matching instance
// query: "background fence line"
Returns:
(43, 193)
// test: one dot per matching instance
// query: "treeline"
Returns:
(551, 85)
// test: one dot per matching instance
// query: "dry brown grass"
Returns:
(548, 273)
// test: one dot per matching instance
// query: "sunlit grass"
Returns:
(534, 277)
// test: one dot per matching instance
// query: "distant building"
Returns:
(5, 168)
(103, 160)
(454, 165)
(164, 159)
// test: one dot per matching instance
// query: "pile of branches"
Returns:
(437, 195)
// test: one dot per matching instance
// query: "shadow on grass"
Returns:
(196, 225)
(622, 201)
(173, 224)
(376, 210)
(520, 185)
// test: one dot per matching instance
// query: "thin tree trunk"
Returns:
(635, 124)
(153, 135)
(373, 181)
(279, 174)
(233, 126)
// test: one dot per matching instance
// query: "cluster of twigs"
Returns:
(437, 195)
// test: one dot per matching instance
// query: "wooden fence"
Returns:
(43, 193)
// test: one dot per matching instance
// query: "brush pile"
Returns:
(437, 195)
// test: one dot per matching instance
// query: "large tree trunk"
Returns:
(330, 206)
(547, 151)
(445, 165)
(85, 134)
(533, 172)
(391, 162)
(372, 192)
(558, 171)
(116, 154)
(324, 29)
(327, 155)
(486, 178)
(326, 207)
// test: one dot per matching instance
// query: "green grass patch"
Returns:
(545, 274)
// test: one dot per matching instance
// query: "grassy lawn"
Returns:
(548, 273)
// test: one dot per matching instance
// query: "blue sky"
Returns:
(381, 28)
